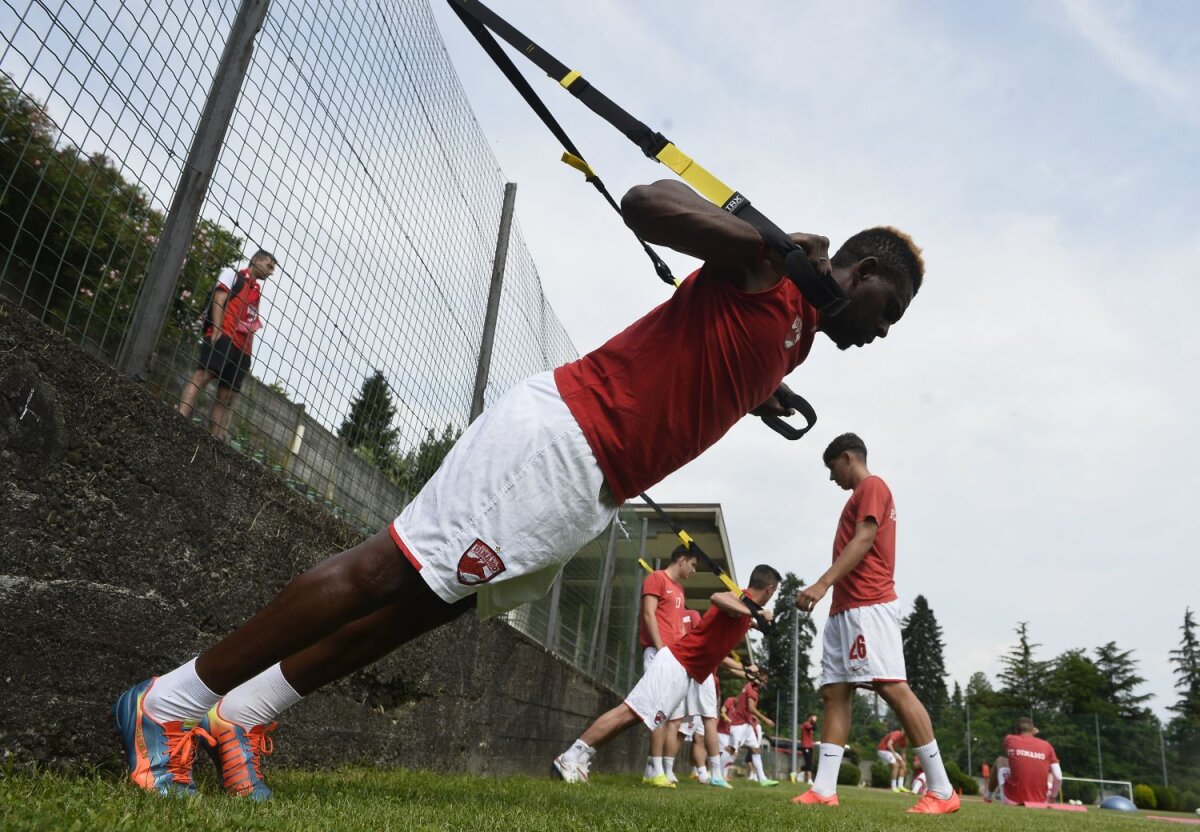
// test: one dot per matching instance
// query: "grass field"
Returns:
(367, 799)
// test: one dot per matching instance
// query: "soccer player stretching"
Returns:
(861, 640)
(532, 480)
(664, 687)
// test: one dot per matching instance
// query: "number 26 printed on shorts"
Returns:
(858, 650)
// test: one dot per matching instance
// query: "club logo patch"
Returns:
(660, 718)
(479, 564)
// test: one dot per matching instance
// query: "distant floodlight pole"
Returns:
(1099, 756)
(970, 768)
(1162, 750)
(795, 685)
(166, 264)
(493, 304)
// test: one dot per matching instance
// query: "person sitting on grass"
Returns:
(665, 685)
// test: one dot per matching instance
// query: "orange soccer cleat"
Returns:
(237, 753)
(811, 798)
(930, 804)
(159, 754)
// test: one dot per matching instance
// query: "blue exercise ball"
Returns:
(1116, 801)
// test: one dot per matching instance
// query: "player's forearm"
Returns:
(1056, 783)
(670, 213)
(728, 602)
(850, 557)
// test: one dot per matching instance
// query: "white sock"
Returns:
(714, 766)
(935, 772)
(702, 774)
(649, 767)
(656, 766)
(825, 783)
(179, 696)
(756, 759)
(260, 700)
(579, 751)
(669, 767)
(895, 783)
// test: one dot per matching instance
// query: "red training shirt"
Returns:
(729, 707)
(899, 740)
(668, 614)
(1029, 761)
(241, 320)
(655, 396)
(806, 735)
(701, 650)
(749, 693)
(872, 581)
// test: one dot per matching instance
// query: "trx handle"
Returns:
(756, 609)
(820, 290)
(796, 402)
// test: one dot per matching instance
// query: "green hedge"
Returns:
(849, 775)
(1143, 797)
(881, 775)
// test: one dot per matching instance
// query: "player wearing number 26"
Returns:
(861, 641)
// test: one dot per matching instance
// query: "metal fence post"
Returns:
(795, 685)
(552, 615)
(493, 303)
(162, 275)
(600, 634)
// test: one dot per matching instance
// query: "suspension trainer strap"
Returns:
(821, 290)
(711, 565)
(572, 156)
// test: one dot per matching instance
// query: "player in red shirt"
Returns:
(807, 729)
(664, 686)
(540, 473)
(861, 639)
(661, 624)
(891, 751)
(228, 340)
(1028, 765)
(745, 730)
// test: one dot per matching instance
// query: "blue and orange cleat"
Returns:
(237, 753)
(159, 754)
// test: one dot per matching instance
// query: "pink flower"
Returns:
(185, 294)
(86, 292)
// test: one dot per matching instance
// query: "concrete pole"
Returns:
(795, 685)
(1162, 750)
(1099, 755)
(970, 768)
(493, 304)
(166, 265)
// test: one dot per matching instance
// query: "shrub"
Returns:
(881, 775)
(1087, 793)
(849, 775)
(1143, 797)
(1191, 801)
(1168, 798)
(852, 755)
(962, 782)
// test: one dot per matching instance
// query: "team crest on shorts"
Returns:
(479, 564)
(660, 718)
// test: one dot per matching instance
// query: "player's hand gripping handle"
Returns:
(791, 402)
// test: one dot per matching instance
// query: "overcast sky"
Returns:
(1034, 411)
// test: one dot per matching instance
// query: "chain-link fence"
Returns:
(351, 155)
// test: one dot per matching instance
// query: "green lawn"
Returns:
(367, 799)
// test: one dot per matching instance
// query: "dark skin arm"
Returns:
(671, 214)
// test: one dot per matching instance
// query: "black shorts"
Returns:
(807, 752)
(229, 364)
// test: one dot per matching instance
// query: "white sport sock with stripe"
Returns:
(260, 700)
(179, 696)
(935, 771)
(825, 783)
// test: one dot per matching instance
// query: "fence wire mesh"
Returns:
(353, 157)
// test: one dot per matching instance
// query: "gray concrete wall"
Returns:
(130, 540)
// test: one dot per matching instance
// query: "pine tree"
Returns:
(923, 660)
(1022, 676)
(368, 427)
(1119, 670)
(1184, 728)
(422, 463)
(778, 663)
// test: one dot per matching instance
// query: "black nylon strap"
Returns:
(505, 65)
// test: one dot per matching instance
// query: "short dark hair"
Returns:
(262, 252)
(1025, 725)
(845, 442)
(764, 576)
(681, 551)
(899, 257)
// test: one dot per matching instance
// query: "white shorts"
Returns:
(693, 726)
(758, 736)
(862, 645)
(702, 699)
(661, 692)
(887, 756)
(724, 741)
(744, 736)
(517, 496)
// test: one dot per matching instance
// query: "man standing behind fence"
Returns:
(230, 320)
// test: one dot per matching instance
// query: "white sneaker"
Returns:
(585, 769)
(567, 771)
